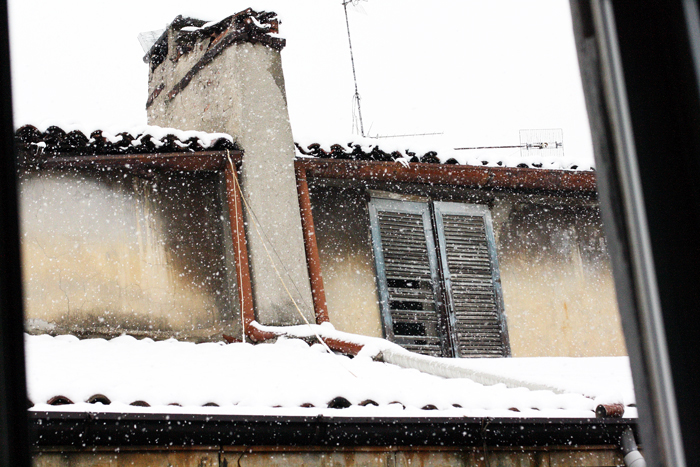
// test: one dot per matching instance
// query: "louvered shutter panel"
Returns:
(407, 275)
(471, 280)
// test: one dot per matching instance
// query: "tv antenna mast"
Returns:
(356, 97)
(542, 143)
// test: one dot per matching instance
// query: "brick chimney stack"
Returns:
(227, 77)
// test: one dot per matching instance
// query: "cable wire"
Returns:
(279, 276)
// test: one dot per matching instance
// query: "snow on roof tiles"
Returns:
(290, 377)
(55, 140)
(388, 153)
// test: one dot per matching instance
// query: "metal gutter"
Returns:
(450, 174)
(130, 429)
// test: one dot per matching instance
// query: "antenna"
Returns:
(357, 115)
(542, 143)
(356, 96)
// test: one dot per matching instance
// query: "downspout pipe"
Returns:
(254, 332)
(632, 456)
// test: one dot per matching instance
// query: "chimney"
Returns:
(227, 77)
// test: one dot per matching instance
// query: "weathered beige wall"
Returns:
(347, 264)
(557, 281)
(241, 92)
(552, 456)
(556, 278)
(105, 253)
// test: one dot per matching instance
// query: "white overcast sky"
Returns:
(476, 71)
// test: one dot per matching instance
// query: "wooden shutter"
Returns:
(471, 280)
(407, 275)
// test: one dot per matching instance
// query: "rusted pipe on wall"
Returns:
(313, 260)
(257, 335)
(609, 410)
(240, 247)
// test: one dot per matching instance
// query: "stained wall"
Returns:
(558, 288)
(111, 252)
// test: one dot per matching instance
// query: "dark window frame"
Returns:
(640, 68)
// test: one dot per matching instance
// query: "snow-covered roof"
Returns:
(291, 377)
(87, 141)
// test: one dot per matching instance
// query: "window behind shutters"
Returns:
(427, 251)
(471, 280)
(407, 275)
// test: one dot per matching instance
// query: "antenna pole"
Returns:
(356, 97)
(490, 147)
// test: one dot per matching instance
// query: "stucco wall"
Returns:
(557, 280)
(105, 253)
(341, 219)
(556, 277)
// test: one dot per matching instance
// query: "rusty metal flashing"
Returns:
(83, 429)
(188, 162)
(450, 174)
(610, 410)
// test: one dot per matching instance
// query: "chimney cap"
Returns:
(250, 25)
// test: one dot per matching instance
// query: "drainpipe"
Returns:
(633, 458)
(257, 335)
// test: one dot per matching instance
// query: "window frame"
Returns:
(363, 171)
(432, 213)
(464, 176)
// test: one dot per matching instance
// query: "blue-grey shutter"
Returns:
(407, 274)
(471, 280)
